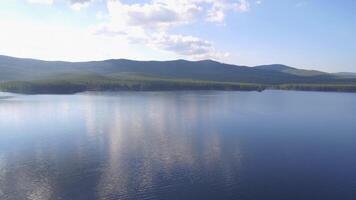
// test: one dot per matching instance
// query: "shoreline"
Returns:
(171, 90)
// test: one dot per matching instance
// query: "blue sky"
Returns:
(313, 34)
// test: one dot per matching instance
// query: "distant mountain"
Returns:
(291, 70)
(345, 75)
(111, 71)
(29, 69)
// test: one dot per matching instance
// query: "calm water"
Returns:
(274, 145)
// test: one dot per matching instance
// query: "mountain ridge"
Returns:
(206, 72)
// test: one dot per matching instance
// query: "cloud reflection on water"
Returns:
(126, 145)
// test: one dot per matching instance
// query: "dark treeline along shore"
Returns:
(31, 76)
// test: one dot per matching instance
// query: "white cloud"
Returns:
(53, 42)
(74, 4)
(48, 2)
(219, 9)
(149, 24)
(79, 1)
(216, 16)
(156, 14)
(243, 6)
(185, 45)
(79, 4)
(217, 12)
(167, 13)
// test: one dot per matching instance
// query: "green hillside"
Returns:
(36, 76)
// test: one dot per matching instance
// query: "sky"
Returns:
(311, 34)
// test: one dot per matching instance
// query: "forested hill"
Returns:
(22, 73)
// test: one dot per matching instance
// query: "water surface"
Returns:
(178, 145)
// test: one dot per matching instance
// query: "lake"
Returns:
(271, 145)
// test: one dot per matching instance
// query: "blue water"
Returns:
(273, 145)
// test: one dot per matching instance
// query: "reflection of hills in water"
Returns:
(125, 146)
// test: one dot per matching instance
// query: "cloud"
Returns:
(219, 9)
(104, 31)
(74, 4)
(243, 6)
(189, 46)
(48, 2)
(185, 45)
(57, 42)
(168, 13)
(79, 1)
(217, 12)
(150, 24)
(79, 4)
(156, 14)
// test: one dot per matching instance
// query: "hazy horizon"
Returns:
(306, 34)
